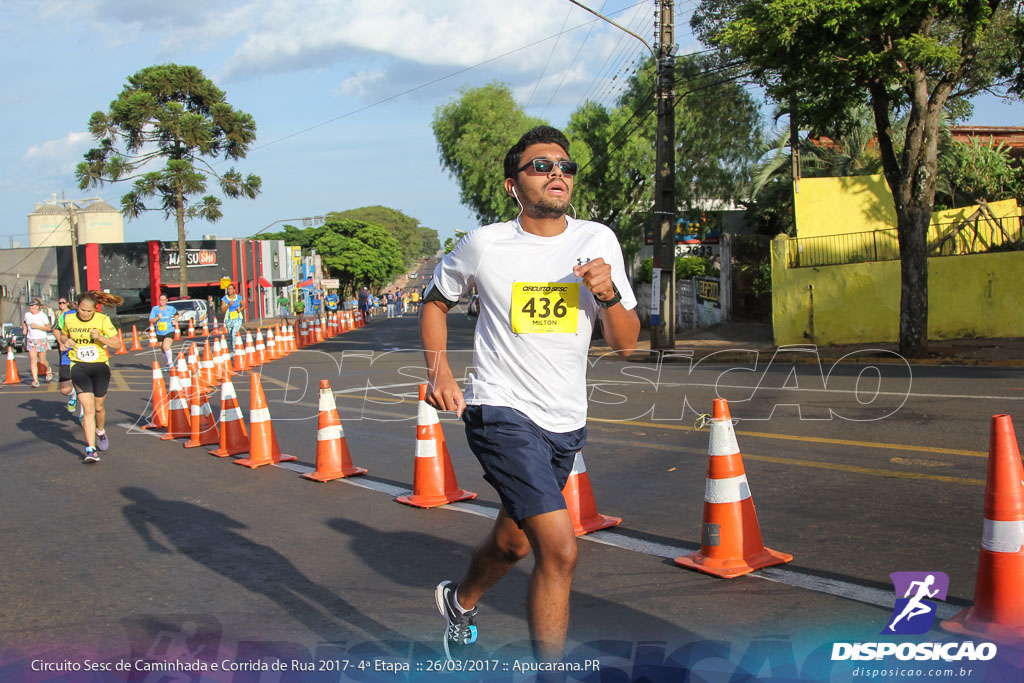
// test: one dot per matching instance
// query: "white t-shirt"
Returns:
(39, 318)
(536, 317)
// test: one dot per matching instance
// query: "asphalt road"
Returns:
(162, 553)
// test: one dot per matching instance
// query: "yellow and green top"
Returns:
(87, 349)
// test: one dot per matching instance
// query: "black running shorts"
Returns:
(91, 378)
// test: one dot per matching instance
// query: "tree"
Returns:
(976, 170)
(415, 240)
(716, 142)
(358, 253)
(717, 139)
(473, 134)
(904, 58)
(176, 115)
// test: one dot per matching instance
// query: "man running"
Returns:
(544, 280)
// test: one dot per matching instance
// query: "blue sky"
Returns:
(311, 73)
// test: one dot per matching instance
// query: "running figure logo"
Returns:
(913, 614)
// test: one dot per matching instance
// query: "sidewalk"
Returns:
(733, 340)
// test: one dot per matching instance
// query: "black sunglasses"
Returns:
(62, 302)
(542, 165)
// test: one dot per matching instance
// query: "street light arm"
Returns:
(304, 218)
(618, 26)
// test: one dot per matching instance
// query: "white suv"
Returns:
(190, 309)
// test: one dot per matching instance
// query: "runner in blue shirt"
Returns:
(331, 301)
(231, 307)
(164, 319)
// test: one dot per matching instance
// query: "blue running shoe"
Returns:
(91, 455)
(460, 630)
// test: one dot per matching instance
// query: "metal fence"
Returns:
(976, 236)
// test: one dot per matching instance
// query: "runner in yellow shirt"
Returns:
(89, 333)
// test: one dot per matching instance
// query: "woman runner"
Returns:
(231, 307)
(165, 320)
(90, 333)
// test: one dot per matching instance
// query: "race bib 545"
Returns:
(545, 307)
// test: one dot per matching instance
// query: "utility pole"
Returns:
(663, 288)
(663, 309)
(74, 248)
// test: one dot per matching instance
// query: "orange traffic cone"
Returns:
(121, 351)
(12, 368)
(153, 343)
(579, 499)
(263, 448)
(180, 426)
(191, 328)
(238, 354)
(177, 333)
(998, 610)
(233, 437)
(206, 328)
(333, 459)
(261, 349)
(206, 366)
(136, 346)
(303, 335)
(434, 479)
(204, 427)
(271, 345)
(731, 542)
(250, 352)
(161, 418)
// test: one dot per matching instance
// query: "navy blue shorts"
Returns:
(527, 465)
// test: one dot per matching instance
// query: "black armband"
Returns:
(433, 294)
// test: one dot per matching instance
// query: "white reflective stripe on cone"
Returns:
(157, 373)
(1002, 537)
(329, 433)
(206, 409)
(426, 415)
(195, 410)
(259, 415)
(327, 401)
(578, 466)
(730, 490)
(723, 438)
(426, 448)
(178, 404)
(227, 390)
(230, 414)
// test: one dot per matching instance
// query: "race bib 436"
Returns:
(545, 307)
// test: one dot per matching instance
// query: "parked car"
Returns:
(190, 309)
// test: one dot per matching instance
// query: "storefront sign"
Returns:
(193, 257)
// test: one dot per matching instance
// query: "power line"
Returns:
(421, 86)
(620, 47)
(565, 72)
(548, 60)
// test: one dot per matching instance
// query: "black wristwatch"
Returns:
(616, 298)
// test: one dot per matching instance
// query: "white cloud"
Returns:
(359, 83)
(60, 155)
(292, 34)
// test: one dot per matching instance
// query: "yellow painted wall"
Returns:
(968, 296)
(837, 206)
